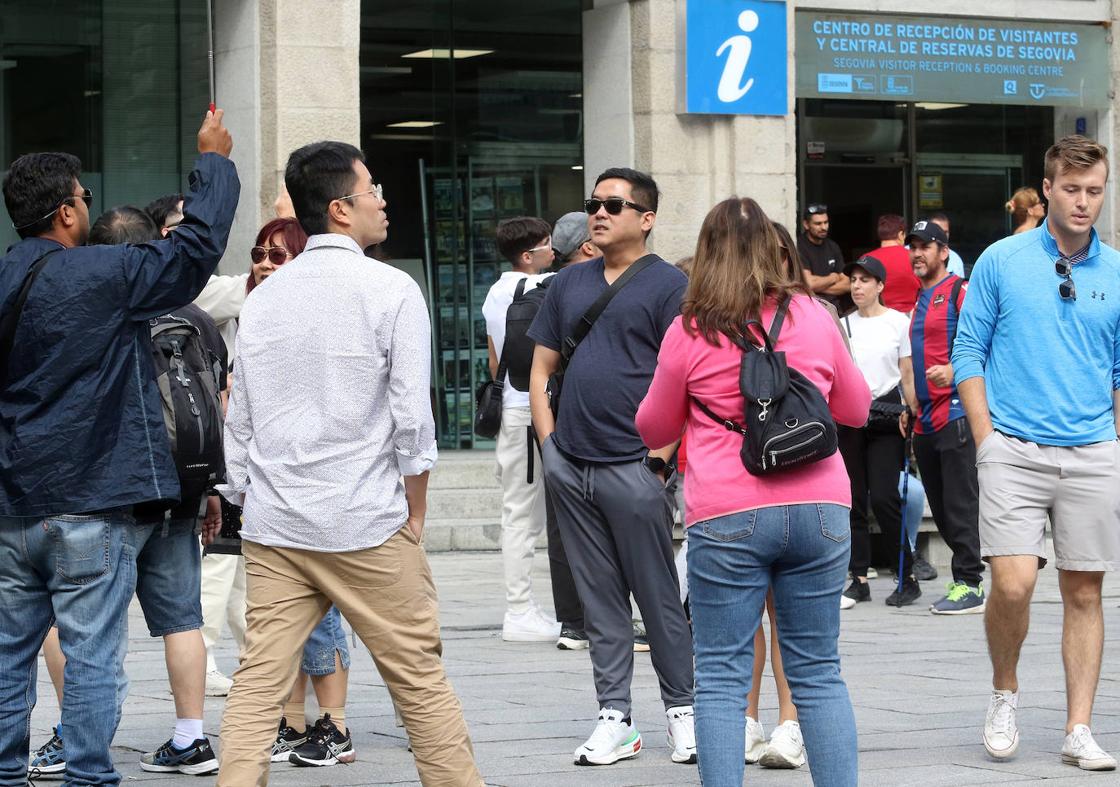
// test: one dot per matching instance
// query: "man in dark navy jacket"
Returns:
(82, 438)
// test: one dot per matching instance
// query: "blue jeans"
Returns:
(325, 639)
(802, 552)
(80, 570)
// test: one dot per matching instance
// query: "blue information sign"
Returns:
(734, 58)
(951, 59)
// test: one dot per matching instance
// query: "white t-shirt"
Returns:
(494, 310)
(878, 343)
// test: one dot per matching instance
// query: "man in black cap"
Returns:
(822, 259)
(943, 442)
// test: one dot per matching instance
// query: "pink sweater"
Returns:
(717, 483)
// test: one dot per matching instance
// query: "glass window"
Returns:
(119, 83)
(471, 113)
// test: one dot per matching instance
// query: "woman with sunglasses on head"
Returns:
(873, 453)
(788, 529)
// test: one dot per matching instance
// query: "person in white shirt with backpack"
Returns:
(525, 241)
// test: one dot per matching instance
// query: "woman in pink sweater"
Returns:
(788, 530)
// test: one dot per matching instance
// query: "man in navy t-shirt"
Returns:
(612, 494)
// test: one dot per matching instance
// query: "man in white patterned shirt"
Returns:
(330, 438)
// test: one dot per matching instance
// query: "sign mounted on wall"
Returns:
(951, 59)
(732, 57)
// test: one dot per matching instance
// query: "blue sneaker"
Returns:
(195, 760)
(50, 758)
(960, 599)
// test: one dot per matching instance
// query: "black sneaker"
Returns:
(325, 746)
(195, 760)
(923, 570)
(910, 593)
(572, 638)
(856, 592)
(287, 740)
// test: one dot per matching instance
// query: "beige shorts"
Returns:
(1076, 487)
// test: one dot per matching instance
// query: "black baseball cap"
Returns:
(869, 264)
(927, 231)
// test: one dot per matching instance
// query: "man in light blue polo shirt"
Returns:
(1037, 364)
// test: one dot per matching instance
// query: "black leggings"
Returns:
(873, 458)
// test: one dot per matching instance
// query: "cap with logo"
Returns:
(927, 231)
(570, 231)
(869, 264)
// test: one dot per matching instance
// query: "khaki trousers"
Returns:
(388, 596)
(523, 513)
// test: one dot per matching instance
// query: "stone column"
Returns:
(697, 160)
(287, 75)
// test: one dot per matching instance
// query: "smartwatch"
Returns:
(655, 464)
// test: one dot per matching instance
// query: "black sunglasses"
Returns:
(614, 205)
(1064, 267)
(86, 196)
(277, 255)
(816, 208)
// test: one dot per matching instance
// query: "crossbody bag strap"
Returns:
(726, 423)
(10, 321)
(583, 327)
(955, 298)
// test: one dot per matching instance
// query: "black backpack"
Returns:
(188, 375)
(788, 423)
(517, 351)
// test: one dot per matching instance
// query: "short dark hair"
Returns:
(890, 224)
(642, 187)
(814, 209)
(124, 224)
(159, 209)
(317, 175)
(520, 234)
(36, 185)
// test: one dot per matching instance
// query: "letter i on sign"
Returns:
(738, 48)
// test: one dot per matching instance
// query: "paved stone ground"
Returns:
(919, 684)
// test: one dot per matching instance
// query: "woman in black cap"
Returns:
(880, 342)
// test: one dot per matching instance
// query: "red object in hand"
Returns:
(212, 107)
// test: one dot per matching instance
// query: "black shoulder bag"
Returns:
(488, 400)
(787, 420)
(583, 327)
(10, 321)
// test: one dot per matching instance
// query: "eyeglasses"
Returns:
(277, 255)
(614, 205)
(377, 191)
(1064, 267)
(539, 248)
(86, 196)
(816, 208)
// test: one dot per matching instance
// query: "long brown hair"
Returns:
(738, 264)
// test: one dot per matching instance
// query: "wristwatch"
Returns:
(655, 464)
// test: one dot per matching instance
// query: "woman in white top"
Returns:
(880, 340)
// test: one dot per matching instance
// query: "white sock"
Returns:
(187, 731)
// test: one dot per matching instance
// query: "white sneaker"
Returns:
(217, 684)
(1081, 750)
(1001, 733)
(847, 602)
(786, 748)
(756, 741)
(614, 739)
(532, 625)
(682, 734)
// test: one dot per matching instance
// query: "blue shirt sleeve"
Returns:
(1116, 359)
(671, 307)
(163, 275)
(977, 320)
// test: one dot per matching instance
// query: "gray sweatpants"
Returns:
(616, 522)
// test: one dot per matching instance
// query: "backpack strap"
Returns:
(583, 327)
(726, 423)
(503, 360)
(10, 321)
